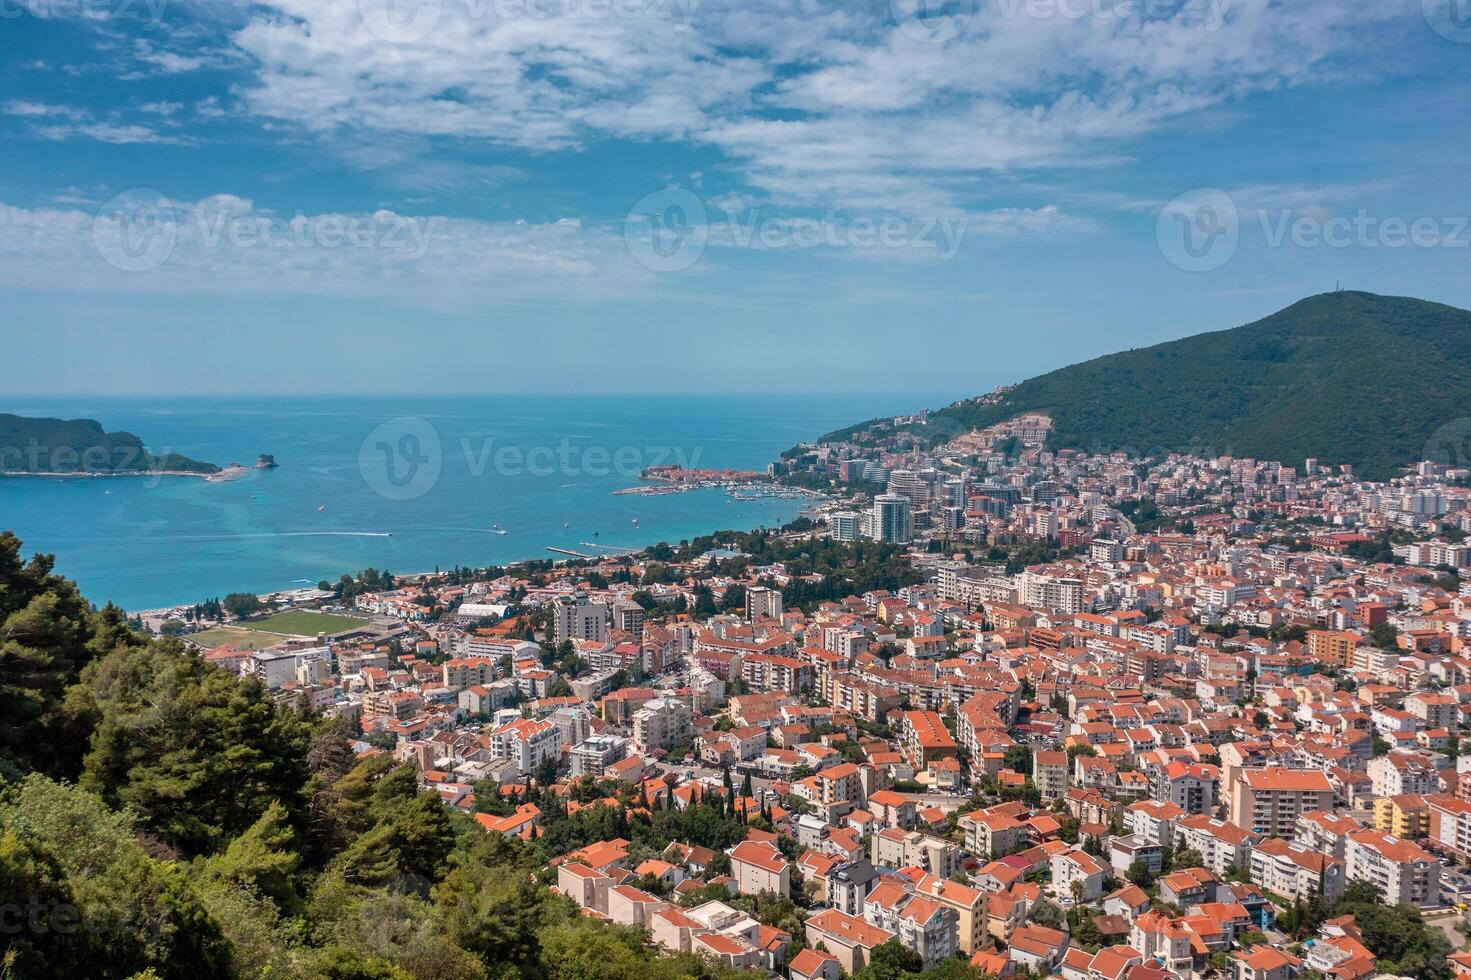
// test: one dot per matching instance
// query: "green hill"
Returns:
(1348, 377)
(30, 445)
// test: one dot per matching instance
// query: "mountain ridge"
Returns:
(1347, 377)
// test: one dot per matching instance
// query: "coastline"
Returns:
(557, 558)
(126, 552)
(224, 475)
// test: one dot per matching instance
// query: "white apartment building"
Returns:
(1294, 871)
(660, 724)
(1405, 872)
(893, 519)
(577, 618)
(845, 525)
(1042, 591)
(763, 603)
(526, 743)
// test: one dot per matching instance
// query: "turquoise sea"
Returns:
(399, 483)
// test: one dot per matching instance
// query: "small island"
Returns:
(82, 447)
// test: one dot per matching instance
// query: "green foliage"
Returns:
(1385, 636)
(1049, 914)
(242, 604)
(844, 568)
(1018, 759)
(890, 961)
(1396, 934)
(580, 950)
(197, 753)
(263, 859)
(1185, 857)
(111, 910)
(48, 633)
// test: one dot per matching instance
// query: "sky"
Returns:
(545, 196)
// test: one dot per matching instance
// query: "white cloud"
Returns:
(819, 102)
(59, 123)
(226, 246)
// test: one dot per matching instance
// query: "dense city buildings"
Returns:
(1086, 715)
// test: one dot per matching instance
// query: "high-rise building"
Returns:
(845, 525)
(661, 723)
(629, 617)
(763, 603)
(1269, 801)
(955, 493)
(1043, 591)
(910, 484)
(891, 518)
(577, 618)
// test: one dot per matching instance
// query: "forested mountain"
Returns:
(30, 445)
(1348, 377)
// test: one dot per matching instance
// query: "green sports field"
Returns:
(245, 639)
(301, 622)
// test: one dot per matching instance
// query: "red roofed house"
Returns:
(846, 937)
(759, 867)
(809, 964)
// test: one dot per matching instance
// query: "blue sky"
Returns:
(698, 195)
